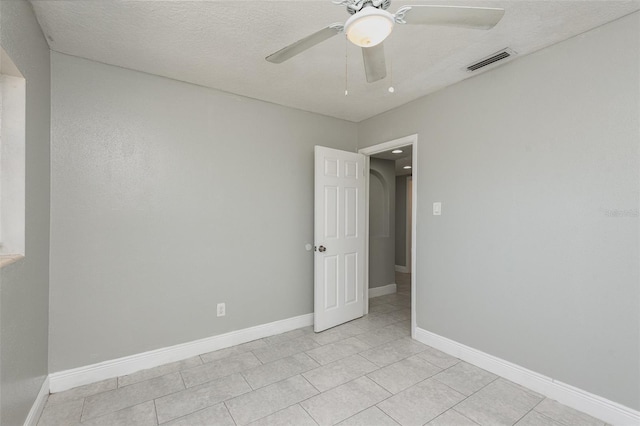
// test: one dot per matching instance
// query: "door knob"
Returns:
(322, 249)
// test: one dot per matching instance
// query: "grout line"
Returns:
(459, 413)
(312, 385)
(81, 410)
(380, 384)
(182, 378)
(532, 408)
(245, 379)
(387, 414)
(129, 406)
(467, 396)
(229, 411)
(453, 409)
(308, 413)
(155, 408)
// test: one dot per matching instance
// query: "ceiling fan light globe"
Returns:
(369, 27)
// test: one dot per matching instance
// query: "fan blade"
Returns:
(482, 18)
(374, 65)
(304, 44)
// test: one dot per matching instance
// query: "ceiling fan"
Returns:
(370, 24)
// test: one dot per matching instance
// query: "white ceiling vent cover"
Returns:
(492, 59)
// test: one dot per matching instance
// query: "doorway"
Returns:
(378, 223)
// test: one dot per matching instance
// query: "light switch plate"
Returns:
(437, 209)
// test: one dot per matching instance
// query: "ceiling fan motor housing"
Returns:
(355, 6)
(369, 27)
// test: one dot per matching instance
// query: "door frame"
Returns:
(375, 149)
(409, 221)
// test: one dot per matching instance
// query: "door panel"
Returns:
(351, 278)
(331, 212)
(330, 282)
(339, 237)
(351, 213)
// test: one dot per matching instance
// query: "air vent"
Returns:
(492, 59)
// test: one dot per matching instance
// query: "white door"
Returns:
(339, 237)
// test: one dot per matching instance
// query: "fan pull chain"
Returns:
(391, 89)
(346, 67)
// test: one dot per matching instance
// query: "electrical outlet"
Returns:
(222, 309)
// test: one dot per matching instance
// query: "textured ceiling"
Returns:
(222, 44)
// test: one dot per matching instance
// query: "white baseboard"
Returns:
(594, 405)
(383, 290)
(68, 379)
(403, 269)
(38, 404)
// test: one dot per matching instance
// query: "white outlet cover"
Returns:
(437, 209)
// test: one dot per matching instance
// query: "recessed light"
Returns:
(406, 167)
(396, 151)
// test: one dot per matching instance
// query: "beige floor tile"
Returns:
(499, 403)
(162, 370)
(140, 415)
(382, 308)
(342, 402)
(381, 336)
(565, 415)
(128, 396)
(404, 374)
(286, 348)
(533, 418)
(64, 413)
(394, 351)
(338, 350)
(82, 392)
(339, 372)
(421, 403)
(280, 369)
(438, 358)
(401, 314)
(451, 418)
(190, 400)
(233, 350)
(372, 416)
(220, 368)
(338, 333)
(292, 416)
(465, 378)
(269, 399)
(374, 321)
(217, 415)
(283, 337)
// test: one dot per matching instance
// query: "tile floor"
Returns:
(366, 372)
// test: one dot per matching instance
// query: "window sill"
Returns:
(8, 259)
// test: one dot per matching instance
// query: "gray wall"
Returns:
(535, 257)
(24, 286)
(382, 207)
(401, 220)
(168, 198)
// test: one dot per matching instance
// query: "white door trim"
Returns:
(368, 151)
(409, 223)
